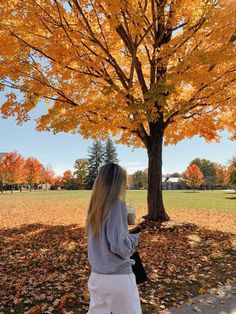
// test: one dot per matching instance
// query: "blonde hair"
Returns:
(109, 186)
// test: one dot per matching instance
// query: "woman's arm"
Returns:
(121, 242)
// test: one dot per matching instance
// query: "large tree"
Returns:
(146, 70)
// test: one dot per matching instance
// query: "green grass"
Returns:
(222, 201)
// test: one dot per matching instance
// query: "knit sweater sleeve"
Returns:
(120, 241)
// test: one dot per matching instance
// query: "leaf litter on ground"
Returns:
(44, 268)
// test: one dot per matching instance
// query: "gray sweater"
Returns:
(110, 252)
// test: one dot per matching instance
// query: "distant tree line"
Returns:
(86, 169)
(205, 174)
(200, 174)
(17, 173)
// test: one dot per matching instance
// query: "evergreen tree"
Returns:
(110, 152)
(95, 160)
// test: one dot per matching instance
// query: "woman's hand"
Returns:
(136, 229)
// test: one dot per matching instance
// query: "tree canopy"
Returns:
(121, 65)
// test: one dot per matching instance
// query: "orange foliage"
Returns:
(48, 175)
(58, 181)
(193, 176)
(67, 176)
(32, 170)
(121, 66)
(12, 166)
(221, 174)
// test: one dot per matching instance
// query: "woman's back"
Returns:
(109, 253)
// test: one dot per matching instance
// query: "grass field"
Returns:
(43, 261)
(224, 201)
(212, 209)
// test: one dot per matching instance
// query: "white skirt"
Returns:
(116, 294)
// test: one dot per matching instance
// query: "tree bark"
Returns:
(156, 210)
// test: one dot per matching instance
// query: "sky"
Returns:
(61, 150)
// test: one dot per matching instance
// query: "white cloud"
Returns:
(61, 168)
(133, 166)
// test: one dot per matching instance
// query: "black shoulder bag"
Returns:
(138, 268)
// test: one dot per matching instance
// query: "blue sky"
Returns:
(61, 150)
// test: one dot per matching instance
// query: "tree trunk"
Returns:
(156, 210)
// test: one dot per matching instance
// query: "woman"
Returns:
(112, 285)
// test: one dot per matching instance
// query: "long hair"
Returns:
(110, 185)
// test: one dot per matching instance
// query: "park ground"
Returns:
(43, 262)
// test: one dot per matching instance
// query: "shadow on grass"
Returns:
(231, 198)
(46, 266)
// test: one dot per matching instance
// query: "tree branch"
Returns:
(132, 49)
(112, 60)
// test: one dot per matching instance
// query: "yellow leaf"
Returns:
(202, 291)
(34, 310)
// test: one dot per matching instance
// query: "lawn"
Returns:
(223, 201)
(43, 261)
(211, 209)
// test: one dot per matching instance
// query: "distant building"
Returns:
(169, 183)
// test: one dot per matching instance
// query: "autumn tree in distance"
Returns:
(193, 176)
(32, 171)
(148, 71)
